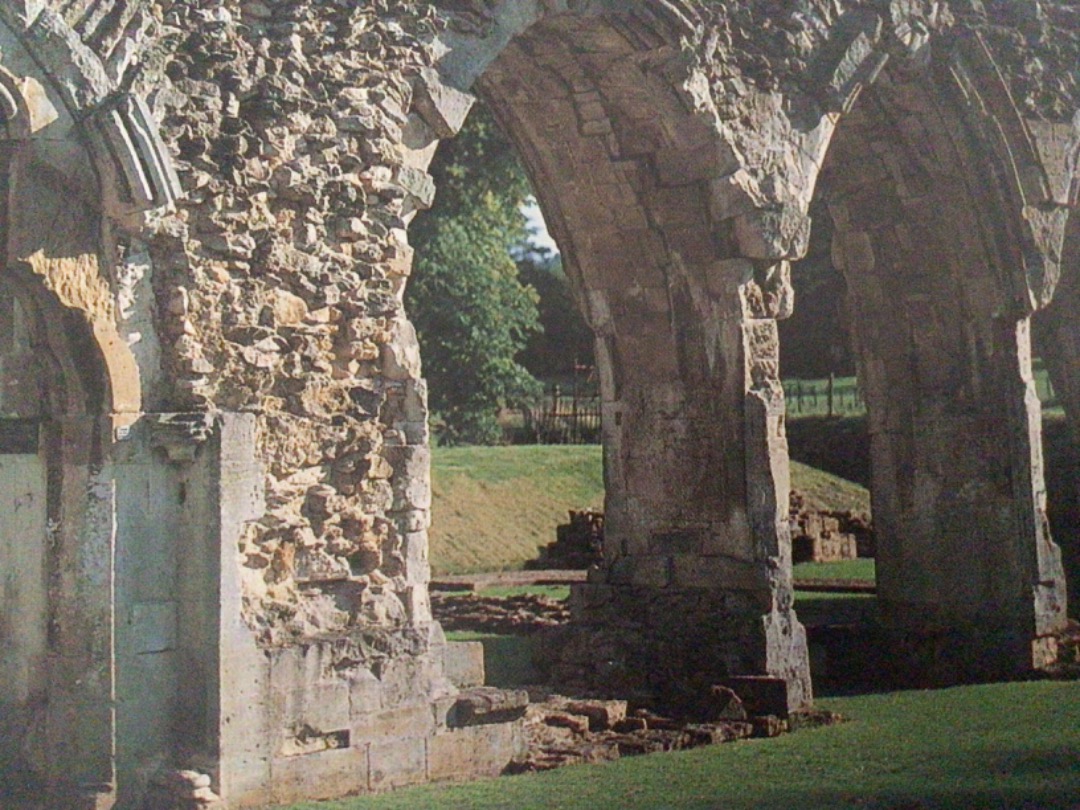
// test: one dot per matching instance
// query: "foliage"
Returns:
(565, 340)
(472, 314)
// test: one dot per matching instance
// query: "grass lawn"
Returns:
(493, 507)
(558, 592)
(810, 397)
(861, 569)
(998, 746)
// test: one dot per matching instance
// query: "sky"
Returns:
(541, 237)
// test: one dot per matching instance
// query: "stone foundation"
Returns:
(669, 646)
(365, 714)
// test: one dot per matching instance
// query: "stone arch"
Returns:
(678, 230)
(53, 451)
(948, 228)
(78, 155)
(1059, 323)
(87, 146)
(672, 265)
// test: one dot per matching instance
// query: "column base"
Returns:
(968, 651)
(658, 644)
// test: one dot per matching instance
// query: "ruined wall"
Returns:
(301, 131)
(278, 283)
(231, 203)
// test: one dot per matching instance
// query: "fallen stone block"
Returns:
(724, 704)
(602, 714)
(577, 723)
(768, 725)
(716, 733)
(760, 694)
(482, 705)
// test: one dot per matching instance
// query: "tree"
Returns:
(472, 314)
(565, 340)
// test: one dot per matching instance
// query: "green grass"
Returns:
(861, 569)
(998, 746)
(810, 397)
(558, 592)
(826, 491)
(494, 507)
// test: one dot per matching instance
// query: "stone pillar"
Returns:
(970, 584)
(1058, 343)
(696, 587)
(1059, 330)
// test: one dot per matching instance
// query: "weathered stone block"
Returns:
(716, 572)
(444, 108)
(464, 663)
(761, 695)
(474, 752)
(651, 571)
(777, 233)
(396, 762)
(411, 484)
(572, 722)
(725, 704)
(365, 694)
(415, 721)
(407, 679)
(480, 705)
(602, 714)
(323, 707)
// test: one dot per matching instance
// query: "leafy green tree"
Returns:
(472, 313)
(565, 340)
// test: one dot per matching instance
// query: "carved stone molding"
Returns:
(180, 435)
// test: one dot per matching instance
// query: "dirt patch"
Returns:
(509, 615)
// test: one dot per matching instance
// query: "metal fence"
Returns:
(570, 414)
(841, 396)
(565, 417)
(835, 396)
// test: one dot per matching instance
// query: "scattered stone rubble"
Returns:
(817, 535)
(579, 544)
(820, 535)
(562, 730)
(514, 615)
(568, 731)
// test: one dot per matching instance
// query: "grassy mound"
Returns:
(494, 506)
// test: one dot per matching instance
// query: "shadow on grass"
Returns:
(1011, 778)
